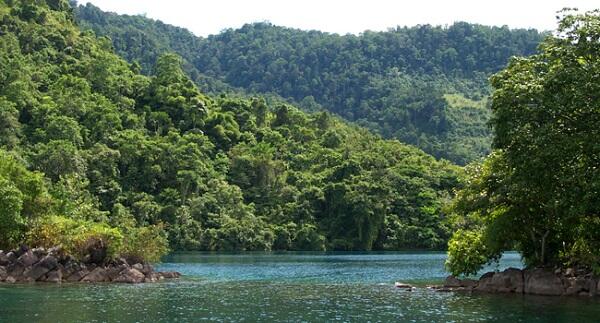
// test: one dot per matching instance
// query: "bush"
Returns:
(145, 243)
(467, 253)
(76, 236)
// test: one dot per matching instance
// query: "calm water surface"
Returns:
(290, 287)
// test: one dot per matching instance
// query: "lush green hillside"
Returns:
(91, 149)
(391, 82)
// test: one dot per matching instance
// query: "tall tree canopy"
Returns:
(540, 191)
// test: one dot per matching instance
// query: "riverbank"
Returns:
(25, 265)
(537, 281)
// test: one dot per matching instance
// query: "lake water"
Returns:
(288, 287)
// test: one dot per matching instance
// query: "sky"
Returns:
(345, 16)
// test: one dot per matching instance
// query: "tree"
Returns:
(540, 191)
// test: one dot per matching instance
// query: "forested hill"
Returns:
(90, 149)
(424, 85)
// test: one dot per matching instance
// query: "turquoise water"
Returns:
(290, 287)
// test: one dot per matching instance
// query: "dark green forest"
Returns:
(424, 85)
(93, 149)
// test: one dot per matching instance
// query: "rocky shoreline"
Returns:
(24, 265)
(537, 281)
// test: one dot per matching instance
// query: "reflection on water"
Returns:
(287, 287)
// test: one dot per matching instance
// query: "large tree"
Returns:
(540, 192)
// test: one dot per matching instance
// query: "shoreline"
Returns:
(25, 265)
(534, 281)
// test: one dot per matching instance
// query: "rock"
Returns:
(469, 283)
(22, 249)
(3, 273)
(402, 285)
(138, 266)
(114, 271)
(36, 272)
(509, 281)
(49, 262)
(570, 272)
(170, 274)
(12, 257)
(97, 275)
(147, 269)
(15, 270)
(153, 277)
(543, 282)
(4, 261)
(485, 283)
(78, 275)
(55, 276)
(39, 252)
(27, 258)
(576, 285)
(11, 280)
(131, 276)
(452, 281)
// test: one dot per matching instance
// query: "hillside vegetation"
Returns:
(93, 150)
(392, 83)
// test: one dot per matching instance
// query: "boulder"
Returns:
(485, 283)
(138, 266)
(97, 252)
(452, 281)
(509, 281)
(570, 272)
(98, 275)
(131, 276)
(55, 276)
(21, 250)
(39, 252)
(36, 272)
(4, 261)
(12, 257)
(3, 273)
(469, 283)
(576, 285)
(15, 270)
(153, 277)
(78, 275)
(147, 269)
(28, 258)
(114, 271)
(543, 282)
(170, 274)
(11, 280)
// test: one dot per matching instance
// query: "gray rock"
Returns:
(131, 276)
(570, 272)
(15, 270)
(114, 271)
(35, 272)
(49, 262)
(485, 283)
(469, 283)
(12, 257)
(3, 273)
(509, 281)
(452, 281)
(98, 275)
(170, 274)
(543, 282)
(402, 285)
(11, 280)
(153, 277)
(39, 252)
(78, 275)
(4, 261)
(138, 266)
(55, 276)
(147, 269)
(576, 285)
(27, 259)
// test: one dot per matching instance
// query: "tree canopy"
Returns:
(539, 192)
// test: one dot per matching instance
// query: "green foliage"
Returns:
(467, 253)
(75, 236)
(391, 82)
(538, 193)
(138, 161)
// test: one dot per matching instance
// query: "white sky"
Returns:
(345, 16)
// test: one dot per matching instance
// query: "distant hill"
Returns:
(395, 83)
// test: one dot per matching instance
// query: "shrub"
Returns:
(76, 236)
(145, 243)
